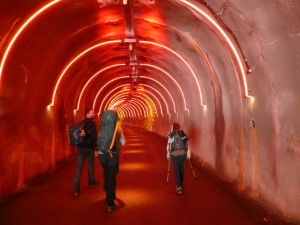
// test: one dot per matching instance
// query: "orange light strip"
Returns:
(142, 112)
(98, 93)
(118, 102)
(112, 104)
(125, 112)
(122, 77)
(73, 61)
(121, 113)
(159, 103)
(128, 112)
(145, 85)
(139, 102)
(184, 61)
(147, 103)
(20, 30)
(210, 20)
(149, 78)
(140, 99)
(119, 108)
(136, 101)
(136, 110)
(105, 107)
(172, 78)
(131, 110)
(95, 75)
(120, 96)
(104, 99)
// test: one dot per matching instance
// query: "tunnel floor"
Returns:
(143, 197)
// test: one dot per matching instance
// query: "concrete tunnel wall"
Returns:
(243, 124)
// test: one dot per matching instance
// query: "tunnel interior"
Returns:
(227, 71)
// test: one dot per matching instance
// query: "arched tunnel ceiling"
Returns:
(82, 47)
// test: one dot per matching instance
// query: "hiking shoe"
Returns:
(110, 209)
(179, 190)
(93, 184)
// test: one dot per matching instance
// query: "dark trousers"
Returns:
(178, 165)
(83, 153)
(110, 170)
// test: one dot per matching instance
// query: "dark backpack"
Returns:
(179, 140)
(74, 137)
(107, 132)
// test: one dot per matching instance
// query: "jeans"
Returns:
(178, 164)
(83, 153)
(110, 169)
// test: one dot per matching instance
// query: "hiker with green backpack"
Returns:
(177, 150)
(109, 141)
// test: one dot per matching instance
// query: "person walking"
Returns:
(110, 163)
(86, 150)
(177, 150)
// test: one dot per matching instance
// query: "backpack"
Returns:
(74, 138)
(108, 130)
(179, 140)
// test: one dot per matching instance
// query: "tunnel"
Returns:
(225, 70)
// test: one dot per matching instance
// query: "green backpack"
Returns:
(108, 130)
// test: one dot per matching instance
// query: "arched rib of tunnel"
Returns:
(226, 71)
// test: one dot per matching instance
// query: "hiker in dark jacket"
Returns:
(177, 150)
(87, 149)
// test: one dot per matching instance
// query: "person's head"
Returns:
(89, 113)
(176, 126)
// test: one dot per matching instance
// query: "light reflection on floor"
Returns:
(132, 145)
(135, 166)
(135, 196)
(137, 151)
(135, 140)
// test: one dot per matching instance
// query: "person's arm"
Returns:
(122, 137)
(188, 152)
(168, 147)
(184, 136)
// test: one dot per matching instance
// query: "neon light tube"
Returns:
(184, 61)
(91, 78)
(172, 78)
(98, 93)
(73, 61)
(211, 21)
(20, 30)
(149, 78)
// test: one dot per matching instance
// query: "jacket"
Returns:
(90, 139)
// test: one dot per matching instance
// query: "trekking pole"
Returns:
(196, 178)
(168, 172)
